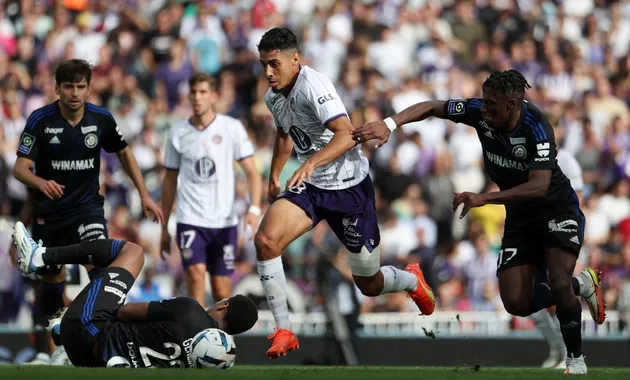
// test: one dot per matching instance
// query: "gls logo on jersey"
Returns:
(543, 152)
(73, 165)
(325, 98)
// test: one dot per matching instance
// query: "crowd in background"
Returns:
(382, 56)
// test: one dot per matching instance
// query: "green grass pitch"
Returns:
(297, 372)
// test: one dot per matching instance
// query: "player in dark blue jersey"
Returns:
(544, 228)
(62, 142)
(98, 330)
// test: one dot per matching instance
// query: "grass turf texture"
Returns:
(298, 372)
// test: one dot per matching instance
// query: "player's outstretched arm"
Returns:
(338, 145)
(381, 129)
(282, 148)
(536, 187)
(129, 163)
(22, 172)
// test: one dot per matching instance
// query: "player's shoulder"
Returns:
(228, 120)
(98, 112)
(40, 114)
(311, 80)
(536, 122)
(271, 97)
(533, 114)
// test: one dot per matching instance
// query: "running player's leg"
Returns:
(284, 221)
(95, 303)
(49, 291)
(520, 269)
(220, 261)
(351, 214)
(193, 243)
(563, 242)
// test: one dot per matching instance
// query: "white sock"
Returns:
(549, 328)
(38, 258)
(274, 283)
(582, 284)
(395, 280)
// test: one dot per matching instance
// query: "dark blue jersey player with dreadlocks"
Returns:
(544, 228)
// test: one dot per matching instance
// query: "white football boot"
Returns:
(575, 366)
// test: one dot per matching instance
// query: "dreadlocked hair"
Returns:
(509, 82)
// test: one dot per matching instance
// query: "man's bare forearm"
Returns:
(340, 143)
(419, 112)
(281, 152)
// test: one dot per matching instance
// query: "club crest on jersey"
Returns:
(456, 107)
(519, 151)
(217, 139)
(205, 167)
(91, 140)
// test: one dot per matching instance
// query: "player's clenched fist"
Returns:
(52, 189)
(273, 191)
(373, 130)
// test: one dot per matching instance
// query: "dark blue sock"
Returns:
(541, 298)
(94, 273)
(52, 298)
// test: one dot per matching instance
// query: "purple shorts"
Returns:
(215, 247)
(350, 213)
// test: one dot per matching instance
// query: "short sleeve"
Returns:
(544, 157)
(113, 139)
(172, 157)
(465, 111)
(243, 146)
(324, 99)
(29, 142)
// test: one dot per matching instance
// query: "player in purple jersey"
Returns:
(332, 184)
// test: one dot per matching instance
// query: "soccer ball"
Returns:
(213, 348)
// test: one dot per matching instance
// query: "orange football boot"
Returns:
(423, 296)
(283, 341)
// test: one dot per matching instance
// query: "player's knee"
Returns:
(368, 286)
(266, 246)
(517, 306)
(133, 252)
(562, 289)
(196, 274)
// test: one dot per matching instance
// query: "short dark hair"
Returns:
(509, 82)
(73, 71)
(278, 39)
(241, 315)
(200, 78)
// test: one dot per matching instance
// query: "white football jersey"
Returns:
(205, 159)
(571, 168)
(303, 114)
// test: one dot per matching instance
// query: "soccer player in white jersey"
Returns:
(199, 159)
(332, 184)
(545, 319)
